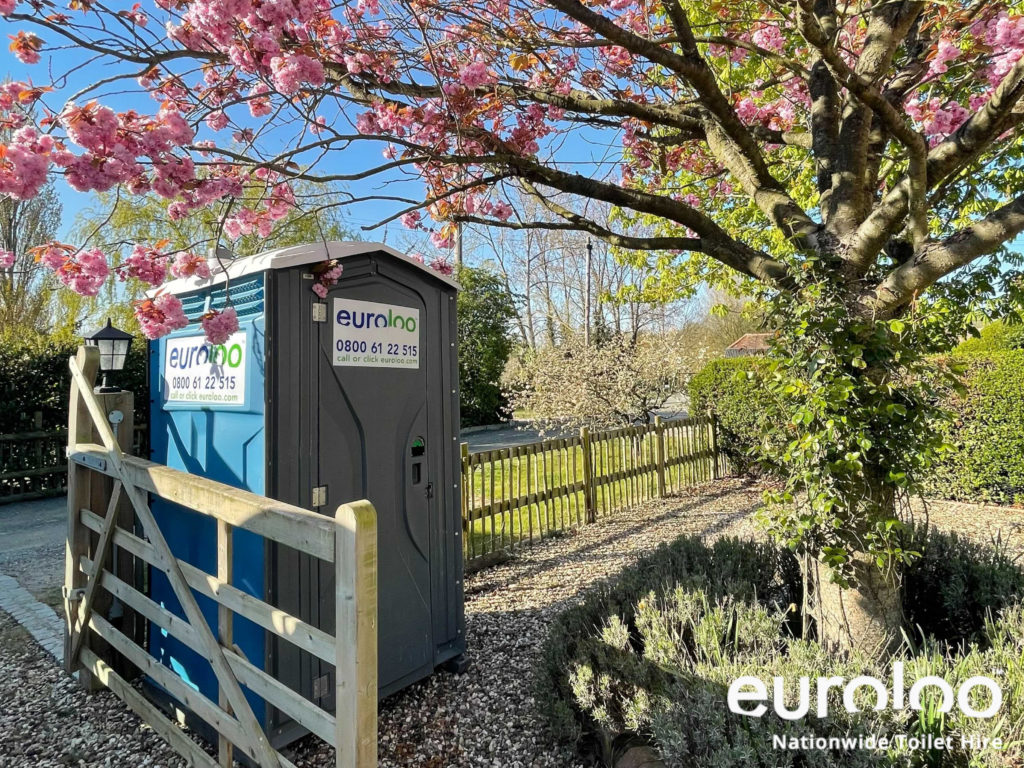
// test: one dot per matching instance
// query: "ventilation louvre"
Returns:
(246, 297)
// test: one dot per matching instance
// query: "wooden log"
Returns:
(589, 489)
(79, 493)
(225, 627)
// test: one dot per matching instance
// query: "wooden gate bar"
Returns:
(305, 636)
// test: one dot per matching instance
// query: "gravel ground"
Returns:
(484, 718)
(48, 721)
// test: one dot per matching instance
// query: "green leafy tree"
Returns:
(486, 314)
(25, 296)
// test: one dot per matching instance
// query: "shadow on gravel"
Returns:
(690, 509)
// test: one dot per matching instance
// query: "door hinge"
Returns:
(320, 496)
(319, 312)
(321, 686)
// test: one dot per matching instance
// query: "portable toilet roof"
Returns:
(292, 256)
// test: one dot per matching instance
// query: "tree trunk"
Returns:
(867, 616)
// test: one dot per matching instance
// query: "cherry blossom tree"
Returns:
(860, 163)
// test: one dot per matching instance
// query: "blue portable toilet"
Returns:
(315, 402)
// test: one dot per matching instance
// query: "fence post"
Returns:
(659, 455)
(355, 620)
(589, 492)
(716, 460)
(78, 538)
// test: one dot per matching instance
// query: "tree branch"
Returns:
(937, 260)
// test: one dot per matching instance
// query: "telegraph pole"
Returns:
(586, 303)
(458, 244)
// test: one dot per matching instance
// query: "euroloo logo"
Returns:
(202, 352)
(748, 694)
(357, 319)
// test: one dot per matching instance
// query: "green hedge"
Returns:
(34, 377)
(987, 463)
(987, 433)
(747, 414)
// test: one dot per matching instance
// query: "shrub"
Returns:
(34, 376)
(741, 569)
(651, 654)
(956, 584)
(986, 462)
(747, 414)
(994, 337)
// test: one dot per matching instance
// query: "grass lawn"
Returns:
(526, 493)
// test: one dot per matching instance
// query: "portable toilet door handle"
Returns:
(430, 490)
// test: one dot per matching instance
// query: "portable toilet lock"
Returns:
(317, 402)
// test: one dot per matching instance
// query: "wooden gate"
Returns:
(95, 647)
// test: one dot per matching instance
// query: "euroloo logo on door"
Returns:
(374, 335)
(196, 371)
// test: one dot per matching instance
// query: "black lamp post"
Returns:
(113, 344)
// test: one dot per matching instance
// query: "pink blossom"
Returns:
(328, 274)
(945, 53)
(291, 72)
(145, 264)
(26, 47)
(410, 220)
(444, 238)
(6, 259)
(84, 273)
(218, 120)
(441, 265)
(187, 264)
(501, 210)
(770, 38)
(159, 316)
(747, 110)
(219, 325)
(7, 7)
(476, 75)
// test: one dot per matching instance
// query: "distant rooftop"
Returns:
(749, 344)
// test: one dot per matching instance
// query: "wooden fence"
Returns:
(33, 464)
(515, 496)
(104, 483)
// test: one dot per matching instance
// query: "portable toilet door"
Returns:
(366, 384)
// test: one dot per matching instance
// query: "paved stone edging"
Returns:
(37, 618)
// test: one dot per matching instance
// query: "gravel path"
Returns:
(484, 718)
(48, 721)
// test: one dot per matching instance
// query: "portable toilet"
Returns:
(315, 402)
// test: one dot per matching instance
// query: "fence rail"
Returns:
(105, 483)
(33, 464)
(515, 496)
